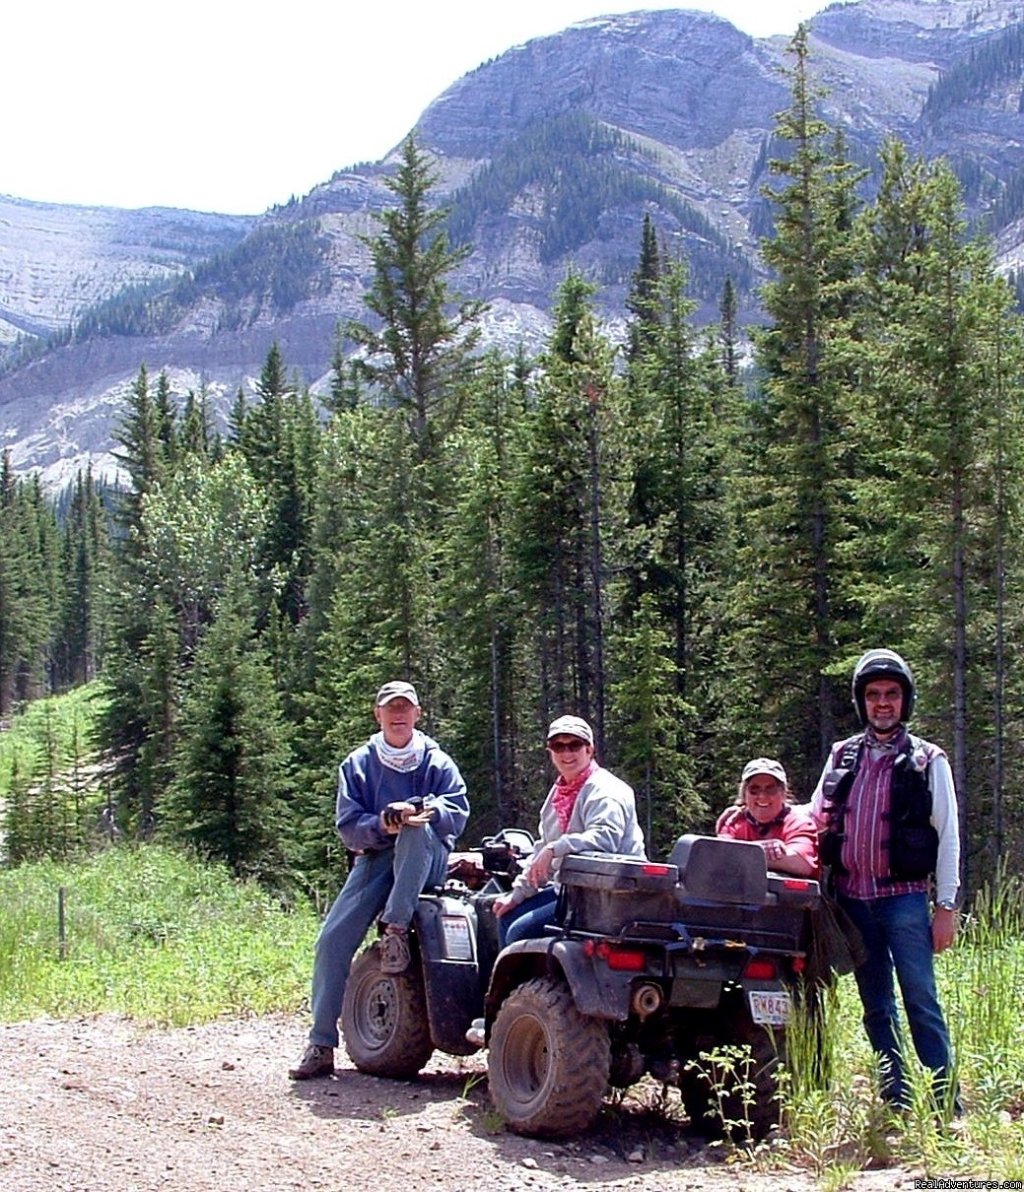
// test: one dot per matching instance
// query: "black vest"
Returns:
(913, 844)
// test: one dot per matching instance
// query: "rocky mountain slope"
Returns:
(58, 261)
(550, 155)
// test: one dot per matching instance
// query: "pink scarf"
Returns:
(563, 794)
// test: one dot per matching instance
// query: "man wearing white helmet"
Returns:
(887, 810)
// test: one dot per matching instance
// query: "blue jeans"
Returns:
(898, 937)
(528, 920)
(385, 884)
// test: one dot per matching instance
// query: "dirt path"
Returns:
(100, 1105)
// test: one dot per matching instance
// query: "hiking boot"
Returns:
(476, 1036)
(394, 952)
(316, 1061)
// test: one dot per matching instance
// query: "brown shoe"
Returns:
(316, 1061)
(394, 952)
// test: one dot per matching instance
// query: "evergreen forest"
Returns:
(685, 542)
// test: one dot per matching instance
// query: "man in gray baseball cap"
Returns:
(401, 804)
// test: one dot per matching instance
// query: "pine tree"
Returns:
(419, 354)
(678, 432)
(648, 714)
(29, 561)
(85, 577)
(485, 693)
(933, 418)
(565, 502)
(642, 302)
(729, 332)
(793, 494)
(230, 798)
(198, 436)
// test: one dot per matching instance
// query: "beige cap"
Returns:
(397, 690)
(571, 726)
(764, 765)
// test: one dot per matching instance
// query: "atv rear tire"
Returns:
(548, 1064)
(384, 1019)
(749, 1113)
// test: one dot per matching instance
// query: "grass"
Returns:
(150, 934)
(844, 1127)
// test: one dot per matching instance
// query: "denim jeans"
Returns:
(385, 884)
(528, 920)
(898, 937)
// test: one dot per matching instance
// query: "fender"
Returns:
(597, 990)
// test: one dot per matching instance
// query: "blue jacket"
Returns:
(366, 787)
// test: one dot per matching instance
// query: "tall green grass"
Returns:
(842, 1126)
(150, 934)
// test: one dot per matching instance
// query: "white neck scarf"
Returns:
(403, 760)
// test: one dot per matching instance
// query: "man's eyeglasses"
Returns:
(565, 746)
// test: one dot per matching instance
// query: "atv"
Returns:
(651, 968)
(393, 1022)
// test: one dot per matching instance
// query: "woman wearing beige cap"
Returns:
(588, 810)
(764, 815)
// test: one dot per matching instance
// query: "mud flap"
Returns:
(597, 990)
(446, 929)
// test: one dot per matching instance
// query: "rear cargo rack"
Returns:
(712, 894)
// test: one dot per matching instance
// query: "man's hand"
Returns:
(502, 904)
(396, 816)
(943, 929)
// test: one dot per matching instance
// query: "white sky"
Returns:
(234, 105)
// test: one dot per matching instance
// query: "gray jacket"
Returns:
(603, 820)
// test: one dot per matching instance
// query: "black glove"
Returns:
(393, 815)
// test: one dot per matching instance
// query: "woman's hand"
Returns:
(773, 850)
(502, 904)
(539, 873)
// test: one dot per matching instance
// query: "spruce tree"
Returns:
(421, 345)
(230, 797)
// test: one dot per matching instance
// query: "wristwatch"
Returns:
(946, 905)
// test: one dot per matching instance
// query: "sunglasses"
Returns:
(566, 746)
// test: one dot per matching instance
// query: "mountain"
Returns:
(58, 261)
(549, 156)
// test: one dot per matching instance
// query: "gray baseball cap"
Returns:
(764, 765)
(397, 690)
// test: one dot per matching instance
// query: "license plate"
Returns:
(769, 1008)
(457, 942)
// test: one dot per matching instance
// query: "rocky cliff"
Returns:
(550, 155)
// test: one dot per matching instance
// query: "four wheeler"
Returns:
(393, 1022)
(650, 966)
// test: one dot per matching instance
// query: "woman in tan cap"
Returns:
(587, 810)
(763, 814)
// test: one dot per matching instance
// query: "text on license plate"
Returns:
(769, 1008)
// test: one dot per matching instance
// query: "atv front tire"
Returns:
(384, 1019)
(548, 1064)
